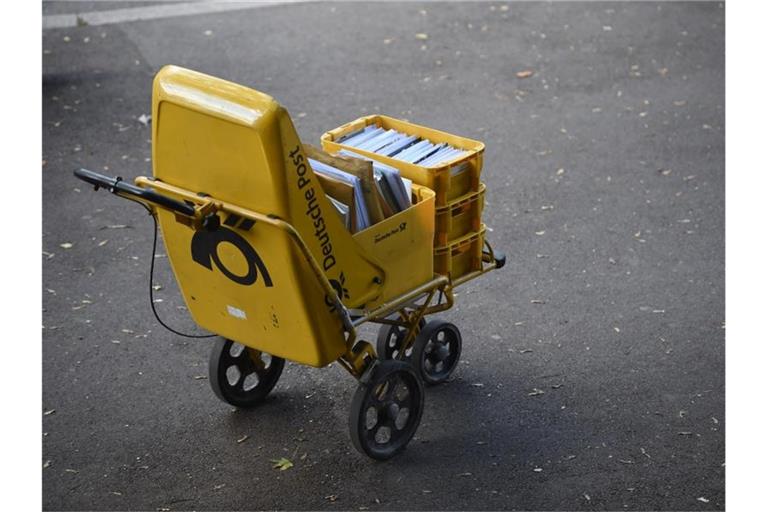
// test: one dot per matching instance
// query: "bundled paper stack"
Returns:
(364, 192)
(400, 146)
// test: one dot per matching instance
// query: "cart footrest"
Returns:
(500, 259)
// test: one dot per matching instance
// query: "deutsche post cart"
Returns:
(263, 262)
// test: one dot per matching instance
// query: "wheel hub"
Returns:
(392, 411)
(442, 352)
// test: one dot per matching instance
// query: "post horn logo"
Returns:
(338, 287)
(206, 241)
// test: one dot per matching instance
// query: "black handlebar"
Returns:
(117, 184)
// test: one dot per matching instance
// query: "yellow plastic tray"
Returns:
(462, 256)
(451, 180)
(459, 218)
(403, 245)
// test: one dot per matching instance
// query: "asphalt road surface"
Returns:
(593, 368)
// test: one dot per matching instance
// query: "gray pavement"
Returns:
(593, 367)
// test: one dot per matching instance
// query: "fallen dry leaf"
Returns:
(524, 74)
(282, 464)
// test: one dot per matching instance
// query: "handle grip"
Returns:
(116, 185)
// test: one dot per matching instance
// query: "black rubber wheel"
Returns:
(386, 411)
(240, 375)
(436, 351)
(390, 338)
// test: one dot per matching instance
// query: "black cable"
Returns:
(151, 279)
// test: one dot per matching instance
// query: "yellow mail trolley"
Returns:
(265, 263)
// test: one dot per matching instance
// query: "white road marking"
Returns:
(153, 12)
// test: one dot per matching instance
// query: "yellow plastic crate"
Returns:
(450, 180)
(402, 244)
(461, 257)
(459, 218)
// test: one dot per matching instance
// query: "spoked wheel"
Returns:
(240, 375)
(386, 411)
(390, 338)
(436, 351)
